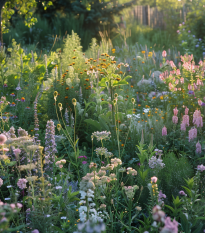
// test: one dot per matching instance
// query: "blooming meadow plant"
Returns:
(102, 141)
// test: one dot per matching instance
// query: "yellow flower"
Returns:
(74, 101)
(55, 94)
(68, 220)
(76, 209)
(143, 52)
(161, 97)
(113, 50)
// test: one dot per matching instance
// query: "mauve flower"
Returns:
(182, 193)
(201, 168)
(186, 111)
(197, 118)
(175, 119)
(198, 148)
(170, 227)
(84, 162)
(186, 120)
(175, 110)
(164, 131)
(3, 139)
(189, 87)
(35, 231)
(192, 134)
(161, 196)
(183, 126)
(22, 183)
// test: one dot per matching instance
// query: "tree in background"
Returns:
(24, 7)
(97, 15)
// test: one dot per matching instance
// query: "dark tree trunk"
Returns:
(2, 2)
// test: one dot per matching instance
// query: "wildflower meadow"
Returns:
(110, 138)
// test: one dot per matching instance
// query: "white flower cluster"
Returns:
(155, 162)
(88, 207)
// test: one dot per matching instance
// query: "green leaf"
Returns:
(11, 163)
(94, 123)
(185, 223)
(169, 207)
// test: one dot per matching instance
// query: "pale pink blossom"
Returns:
(198, 148)
(175, 119)
(189, 87)
(175, 110)
(172, 64)
(164, 53)
(178, 72)
(157, 214)
(154, 179)
(197, 118)
(199, 102)
(12, 206)
(35, 231)
(201, 168)
(198, 82)
(183, 126)
(192, 134)
(3, 139)
(182, 80)
(22, 183)
(170, 227)
(186, 111)
(19, 205)
(164, 131)
(1, 182)
(186, 120)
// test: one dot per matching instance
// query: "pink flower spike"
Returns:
(170, 226)
(175, 110)
(198, 148)
(164, 131)
(164, 53)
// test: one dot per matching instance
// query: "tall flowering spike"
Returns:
(186, 120)
(192, 134)
(183, 126)
(36, 120)
(175, 110)
(164, 53)
(175, 119)
(186, 111)
(50, 146)
(197, 118)
(198, 148)
(164, 131)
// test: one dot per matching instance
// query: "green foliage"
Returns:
(173, 175)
